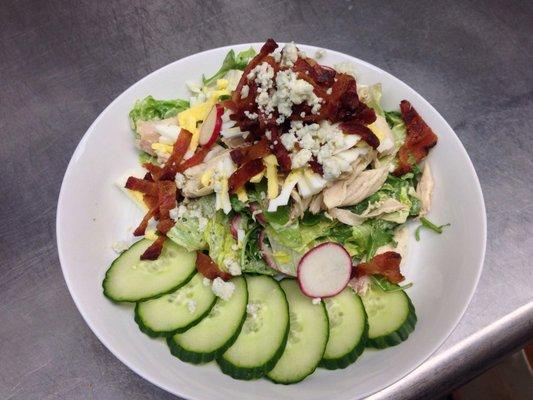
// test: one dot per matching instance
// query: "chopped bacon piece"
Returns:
(208, 268)
(356, 128)
(244, 174)
(419, 140)
(386, 264)
(167, 197)
(321, 75)
(269, 46)
(281, 153)
(151, 201)
(154, 251)
(164, 225)
(315, 166)
(141, 185)
(154, 171)
(196, 159)
(141, 229)
(242, 155)
(178, 151)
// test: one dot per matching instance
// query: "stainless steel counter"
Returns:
(62, 62)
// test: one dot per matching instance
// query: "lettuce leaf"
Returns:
(374, 98)
(363, 240)
(150, 108)
(186, 231)
(231, 61)
(219, 239)
(251, 260)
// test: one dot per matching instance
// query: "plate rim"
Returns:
(91, 128)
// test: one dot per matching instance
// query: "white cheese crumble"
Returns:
(180, 180)
(289, 55)
(222, 289)
(346, 67)
(301, 158)
(250, 115)
(316, 300)
(245, 91)
(206, 281)
(191, 306)
(234, 268)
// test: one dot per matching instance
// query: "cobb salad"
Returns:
(275, 205)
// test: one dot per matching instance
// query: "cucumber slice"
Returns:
(177, 311)
(347, 330)
(216, 332)
(264, 333)
(130, 279)
(307, 340)
(391, 316)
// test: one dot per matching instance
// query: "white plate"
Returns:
(92, 214)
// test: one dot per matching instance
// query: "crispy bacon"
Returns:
(281, 153)
(167, 197)
(141, 185)
(242, 155)
(386, 264)
(244, 174)
(356, 128)
(196, 159)
(419, 140)
(164, 225)
(141, 229)
(178, 151)
(154, 251)
(315, 166)
(321, 75)
(154, 171)
(208, 268)
(269, 46)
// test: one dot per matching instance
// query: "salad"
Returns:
(275, 205)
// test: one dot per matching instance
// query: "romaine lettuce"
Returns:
(150, 108)
(219, 239)
(231, 61)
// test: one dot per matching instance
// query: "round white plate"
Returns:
(92, 214)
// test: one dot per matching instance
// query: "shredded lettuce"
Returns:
(363, 240)
(386, 286)
(219, 239)
(186, 231)
(251, 260)
(144, 158)
(426, 223)
(150, 108)
(231, 61)
(395, 121)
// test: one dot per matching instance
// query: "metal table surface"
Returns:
(62, 62)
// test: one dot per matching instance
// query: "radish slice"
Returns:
(257, 212)
(235, 225)
(210, 129)
(266, 252)
(324, 271)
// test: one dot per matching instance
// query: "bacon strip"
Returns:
(167, 198)
(244, 174)
(178, 151)
(141, 229)
(386, 264)
(154, 251)
(208, 268)
(242, 155)
(141, 185)
(419, 140)
(281, 153)
(356, 128)
(196, 159)
(269, 46)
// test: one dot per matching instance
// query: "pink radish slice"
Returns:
(325, 270)
(235, 225)
(259, 216)
(266, 252)
(210, 128)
